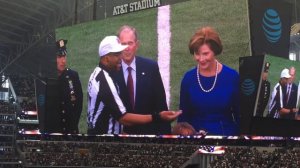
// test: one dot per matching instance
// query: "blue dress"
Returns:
(216, 112)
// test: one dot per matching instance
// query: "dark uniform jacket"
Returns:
(263, 99)
(70, 101)
(290, 101)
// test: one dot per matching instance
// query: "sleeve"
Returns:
(160, 101)
(294, 96)
(184, 100)
(273, 100)
(111, 98)
(79, 100)
(236, 99)
(160, 94)
(268, 90)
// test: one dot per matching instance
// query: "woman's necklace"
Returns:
(216, 76)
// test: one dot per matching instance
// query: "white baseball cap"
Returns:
(285, 73)
(110, 44)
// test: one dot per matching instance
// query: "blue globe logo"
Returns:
(248, 87)
(271, 25)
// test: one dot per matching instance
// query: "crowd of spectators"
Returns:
(23, 86)
(7, 154)
(252, 157)
(6, 141)
(11, 165)
(8, 157)
(23, 105)
(7, 119)
(28, 104)
(109, 154)
(6, 108)
(121, 151)
(7, 129)
(146, 152)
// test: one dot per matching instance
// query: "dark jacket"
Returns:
(70, 102)
(150, 96)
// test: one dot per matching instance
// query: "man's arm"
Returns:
(159, 90)
(111, 99)
(135, 119)
(283, 111)
(79, 97)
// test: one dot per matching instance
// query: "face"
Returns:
(292, 73)
(61, 63)
(127, 37)
(114, 61)
(265, 76)
(205, 58)
(284, 81)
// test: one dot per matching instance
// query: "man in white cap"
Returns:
(277, 106)
(106, 111)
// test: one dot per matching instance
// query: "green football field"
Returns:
(277, 64)
(228, 17)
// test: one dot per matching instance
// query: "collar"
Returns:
(63, 72)
(132, 65)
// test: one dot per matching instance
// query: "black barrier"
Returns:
(270, 24)
(250, 74)
(251, 69)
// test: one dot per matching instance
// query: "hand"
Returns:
(295, 110)
(169, 115)
(202, 132)
(297, 117)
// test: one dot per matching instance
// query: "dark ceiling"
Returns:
(26, 23)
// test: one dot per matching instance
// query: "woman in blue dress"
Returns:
(209, 95)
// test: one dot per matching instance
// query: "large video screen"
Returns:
(279, 95)
(164, 33)
(268, 105)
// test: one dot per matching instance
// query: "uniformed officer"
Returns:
(70, 92)
(264, 94)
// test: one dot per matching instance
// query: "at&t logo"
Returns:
(271, 25)
(248, 87)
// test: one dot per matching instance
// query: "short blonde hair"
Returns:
(183, 128)
(206, 35)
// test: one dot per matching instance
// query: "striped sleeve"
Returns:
(104, 103)
(111, 98)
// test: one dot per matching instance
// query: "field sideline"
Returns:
(229, 17)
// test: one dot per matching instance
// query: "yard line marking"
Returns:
(164, 47)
